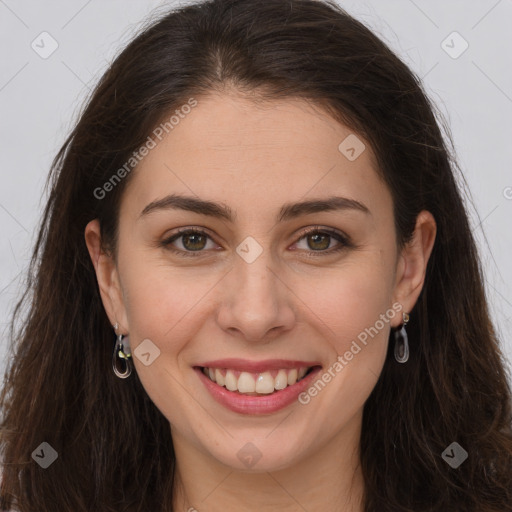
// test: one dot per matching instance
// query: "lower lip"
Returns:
(264, 404)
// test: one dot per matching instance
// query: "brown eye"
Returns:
(320, 241)
(194, 241)
(189, 241)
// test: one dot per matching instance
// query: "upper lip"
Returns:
(258, 366)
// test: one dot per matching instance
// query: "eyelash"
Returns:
(344, 241)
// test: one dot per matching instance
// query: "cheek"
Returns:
(350, 301)
(160, 300)
(353, 310)
(163, 305)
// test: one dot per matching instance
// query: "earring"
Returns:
(122, 354)
(402, 341)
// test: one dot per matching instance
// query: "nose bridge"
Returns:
(255, 301)
(255, 285)
(252, 264)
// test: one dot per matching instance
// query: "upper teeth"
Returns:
(246, 382)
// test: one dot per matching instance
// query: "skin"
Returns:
(285, 304)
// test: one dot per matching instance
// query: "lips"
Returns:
(246, 365)
(256, 387)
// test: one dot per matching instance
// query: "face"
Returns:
(253, 245)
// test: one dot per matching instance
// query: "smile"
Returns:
(256, 383)
(256, 387)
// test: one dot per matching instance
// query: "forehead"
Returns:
(231, 146)
(231, 125)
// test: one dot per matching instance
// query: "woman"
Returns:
(255, 286)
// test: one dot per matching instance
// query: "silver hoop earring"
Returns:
(121, 357)
(402, 341)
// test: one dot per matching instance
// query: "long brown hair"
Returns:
(114, 447)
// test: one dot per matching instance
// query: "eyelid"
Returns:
(343, 239)
(167, 242)
(323, 229)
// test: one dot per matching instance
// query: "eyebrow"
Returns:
(222, 211)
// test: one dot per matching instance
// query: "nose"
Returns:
(257, 305)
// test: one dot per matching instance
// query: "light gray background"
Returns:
(40, 99)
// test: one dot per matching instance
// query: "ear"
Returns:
(107, 276)
(412, 263)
